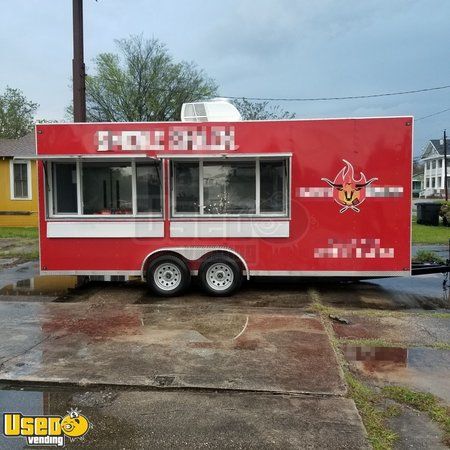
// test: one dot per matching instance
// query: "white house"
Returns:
(433, 162)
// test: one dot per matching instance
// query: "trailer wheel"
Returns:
(220, 276)
(168, 276)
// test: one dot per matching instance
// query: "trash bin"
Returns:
(428, 213)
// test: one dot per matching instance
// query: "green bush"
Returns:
(445, 212)
(427, 256)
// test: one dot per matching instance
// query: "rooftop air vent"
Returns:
(212, 111)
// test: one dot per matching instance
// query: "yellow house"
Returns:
(18, 183)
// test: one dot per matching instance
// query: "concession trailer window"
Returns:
(255, 187)
(87, 188)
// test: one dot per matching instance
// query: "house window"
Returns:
(20, 180)
(106, 188)
(218, 188)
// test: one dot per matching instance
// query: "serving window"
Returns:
(256, 187)
(87, 188)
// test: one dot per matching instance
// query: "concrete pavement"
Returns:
(167, 346)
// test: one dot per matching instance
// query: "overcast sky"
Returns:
(261, 48)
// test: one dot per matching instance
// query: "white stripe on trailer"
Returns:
(103, 229)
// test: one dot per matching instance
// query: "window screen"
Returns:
(107, 188)
(229, 188)
(65, 188)
(148, 188)
(273, 186)
(186, 187)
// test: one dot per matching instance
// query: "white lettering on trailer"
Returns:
(354, 248)
(130, 140)
(201, 138)
(216, 138)
(373, 191)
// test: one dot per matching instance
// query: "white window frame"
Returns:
(11, 179)
(258, 214)
(79, 214)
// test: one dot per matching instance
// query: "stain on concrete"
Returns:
(93, 344)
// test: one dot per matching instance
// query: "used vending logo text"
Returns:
(46, 430)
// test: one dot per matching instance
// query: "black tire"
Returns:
(172, 273)
(228, 278)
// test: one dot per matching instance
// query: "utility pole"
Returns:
(445, 167)
(78, 69)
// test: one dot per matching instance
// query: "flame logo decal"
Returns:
(348, 192)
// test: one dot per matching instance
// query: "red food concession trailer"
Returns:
(226, 200)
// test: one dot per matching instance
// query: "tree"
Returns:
(143, 83)
(417, 165)
(261, 110)
(16, 114)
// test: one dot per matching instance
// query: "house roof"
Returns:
(24, 146)
(440, 147)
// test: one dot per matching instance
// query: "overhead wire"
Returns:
(347, 97)
(433, 114)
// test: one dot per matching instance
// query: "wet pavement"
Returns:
(144, 368)
(425, 292)
(129, 419)
(177, 347)
(416, 431)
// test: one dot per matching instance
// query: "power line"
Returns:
(349, 97)
(434, 114)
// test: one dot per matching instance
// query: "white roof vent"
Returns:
(212, 111)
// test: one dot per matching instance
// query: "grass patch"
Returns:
(20, 257)
(19, 232)
(424, 402)
(372, 413)
(428, 234)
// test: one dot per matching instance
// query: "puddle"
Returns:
(47, 285)
(423, 369)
